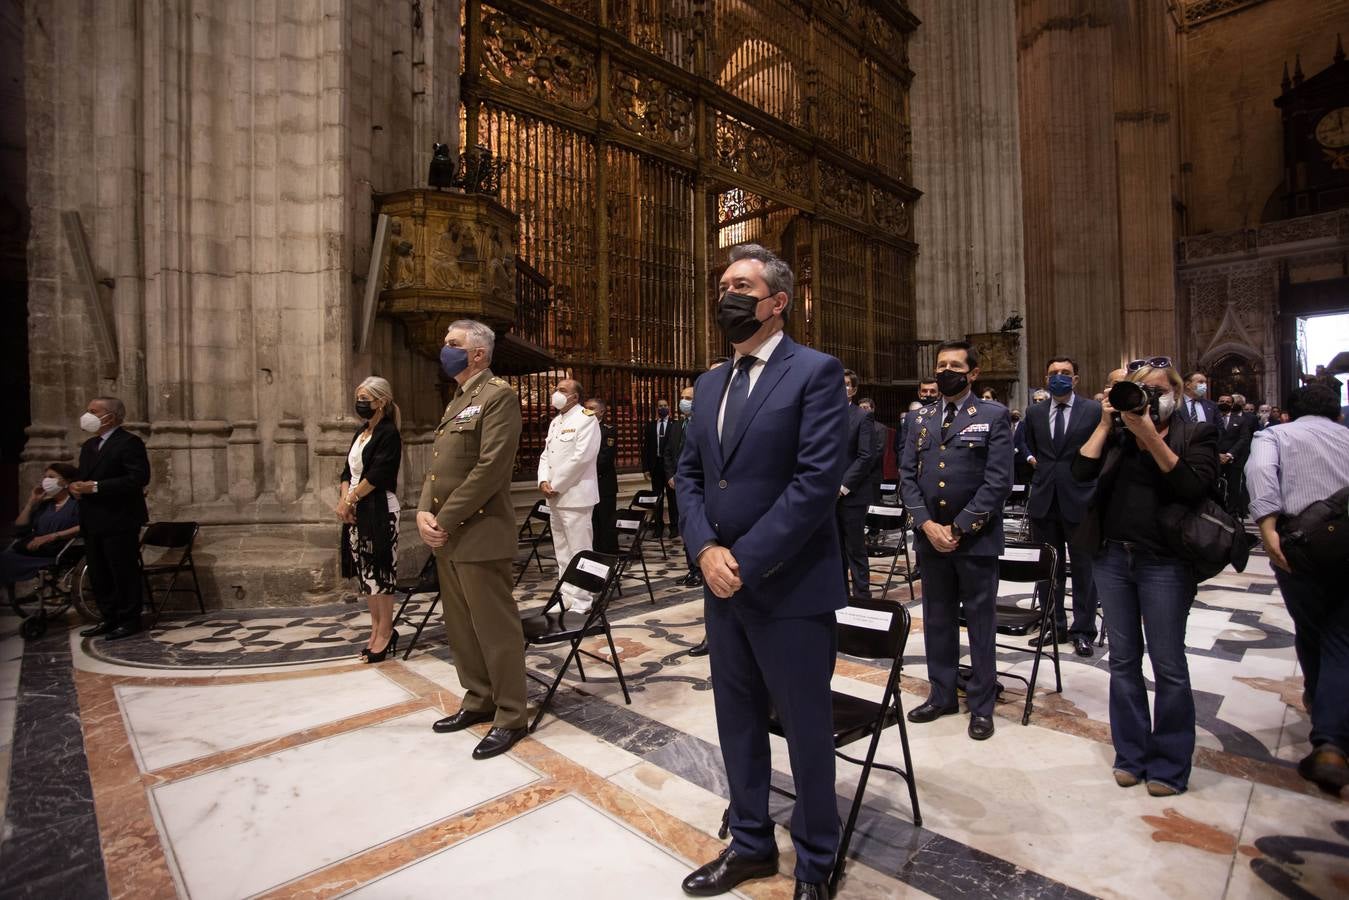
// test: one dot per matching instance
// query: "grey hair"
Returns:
(479, 335)
(776, 273)
(115, 407)
(379, 389)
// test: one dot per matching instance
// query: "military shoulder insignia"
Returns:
(971, 410)
(497, 381)
(587, 412)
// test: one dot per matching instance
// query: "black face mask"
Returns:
(952, 383)
(1224, 407)
(364, 409)
(736, 318)
(927, 398)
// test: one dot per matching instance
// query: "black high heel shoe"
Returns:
(390, 647)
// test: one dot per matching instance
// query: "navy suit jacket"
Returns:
(1236, 437)
(1053, 469)
(770, 496)
(1210, 410)
(857, 453)
(122, 470)
(960, 476)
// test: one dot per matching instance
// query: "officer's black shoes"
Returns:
(810, 890)
(726, 871)
(981, 727)
(98, 630)
(930, 712)
(1053, 637)
(461, 720)
(498, 741)
(125, 630)
(1082, 646)
(700, 649)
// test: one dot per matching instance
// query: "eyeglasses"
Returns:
(1155, 362)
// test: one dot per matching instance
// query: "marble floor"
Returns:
(249, 754)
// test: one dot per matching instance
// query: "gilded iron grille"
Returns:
(759, 51)
(841, 298)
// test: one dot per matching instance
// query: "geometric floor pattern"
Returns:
(250, 754)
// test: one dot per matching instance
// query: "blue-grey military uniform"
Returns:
(960, 476)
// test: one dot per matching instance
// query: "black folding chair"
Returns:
(648, 500)
(596, 573)
(426, 582)
(170, 537)
(633, 523)
(1036, 564)
(887, 520)
(890, 493)
(867, 629)
(1015, 519)
(539, 514)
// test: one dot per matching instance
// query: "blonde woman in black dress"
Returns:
(368, 507)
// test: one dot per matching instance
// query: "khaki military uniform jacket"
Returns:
(468, 484)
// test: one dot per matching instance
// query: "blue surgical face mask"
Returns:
(1060, 384)
(453, 360)
(686, 406)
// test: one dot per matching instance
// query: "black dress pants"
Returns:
(852, 518)
(602, 525)
(115, 570)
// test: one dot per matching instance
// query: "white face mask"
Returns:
(1166, 405)
(559, 400)
(686, 407)
(90, 422)
(51, 486)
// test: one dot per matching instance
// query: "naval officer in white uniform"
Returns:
(567, 478)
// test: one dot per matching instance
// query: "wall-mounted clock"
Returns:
(1333, 129)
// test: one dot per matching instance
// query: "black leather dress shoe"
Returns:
(461, 720)
(930, 712)
(498, 741)
(810, 890)
(726, 871)
(98, 630)
(695, 579)
(700, 649)
(981, 727)
(125, 630)
(1082, 646)
(1053, 637)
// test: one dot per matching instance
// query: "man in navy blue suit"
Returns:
(954, 478)
(1053, 433)
(1195, 406)
(757, 482)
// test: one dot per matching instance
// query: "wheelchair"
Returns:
(61, 584)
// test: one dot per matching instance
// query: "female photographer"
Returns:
(1144, 459)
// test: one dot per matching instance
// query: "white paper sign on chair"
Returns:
(543, 508)
(628, 524)
(872, 619)
(1021, 554)
(590, 567)
(646, 501)
(893, 511)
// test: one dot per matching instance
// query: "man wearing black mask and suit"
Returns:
(654, 435)
(1054, 431)
(854, 495)
(114, 471)
(605, 538)
(927, 394)
(879, 435)
(1235, 429)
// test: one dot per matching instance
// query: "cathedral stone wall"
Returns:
(1233, 134)
(222, 159)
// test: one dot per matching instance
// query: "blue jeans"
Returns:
(1144, 593)
(1321, 635)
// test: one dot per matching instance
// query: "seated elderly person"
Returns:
(49, 518)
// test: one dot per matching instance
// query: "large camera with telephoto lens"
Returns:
(1132, 397)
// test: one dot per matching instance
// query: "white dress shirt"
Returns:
(761, 355)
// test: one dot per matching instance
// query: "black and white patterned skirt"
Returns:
(363, 560)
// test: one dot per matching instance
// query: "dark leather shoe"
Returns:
(930, 712)
(700, 649)
(810, 890)
(695, 579)
(1053, 637)
(981, 727)
(498, 741)
(98, 630)
(726, 871)
(1082, 646)
(125, 630)
(461, 720)
(1326, 767)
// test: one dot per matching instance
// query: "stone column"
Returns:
(966, 157)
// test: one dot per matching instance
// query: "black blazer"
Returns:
(1053, 477)
(122, 470)
(381, 458)
(674, 445)
(858, 450)
(380, 461)
(606, 463)
(1210, 410)
(1193, 478)
(653, 455)
(1236, 437)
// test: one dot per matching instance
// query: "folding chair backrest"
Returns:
(889, 487)
(173, 535)
(872, 629)
(1019, 494)
(1026, 562)
(885, 518)
(541, 511)
(644, 500)
(632, 522)
(589, 571)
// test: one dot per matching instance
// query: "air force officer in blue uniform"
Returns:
(955, 476)
(757, 482)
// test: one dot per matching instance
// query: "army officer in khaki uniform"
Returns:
(466, 518)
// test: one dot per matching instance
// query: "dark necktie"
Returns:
(1059, 429)
(660, 436)
(950, 414)
(735, 399)
(1194, 417)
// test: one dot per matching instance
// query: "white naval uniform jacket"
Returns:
(568, 459)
